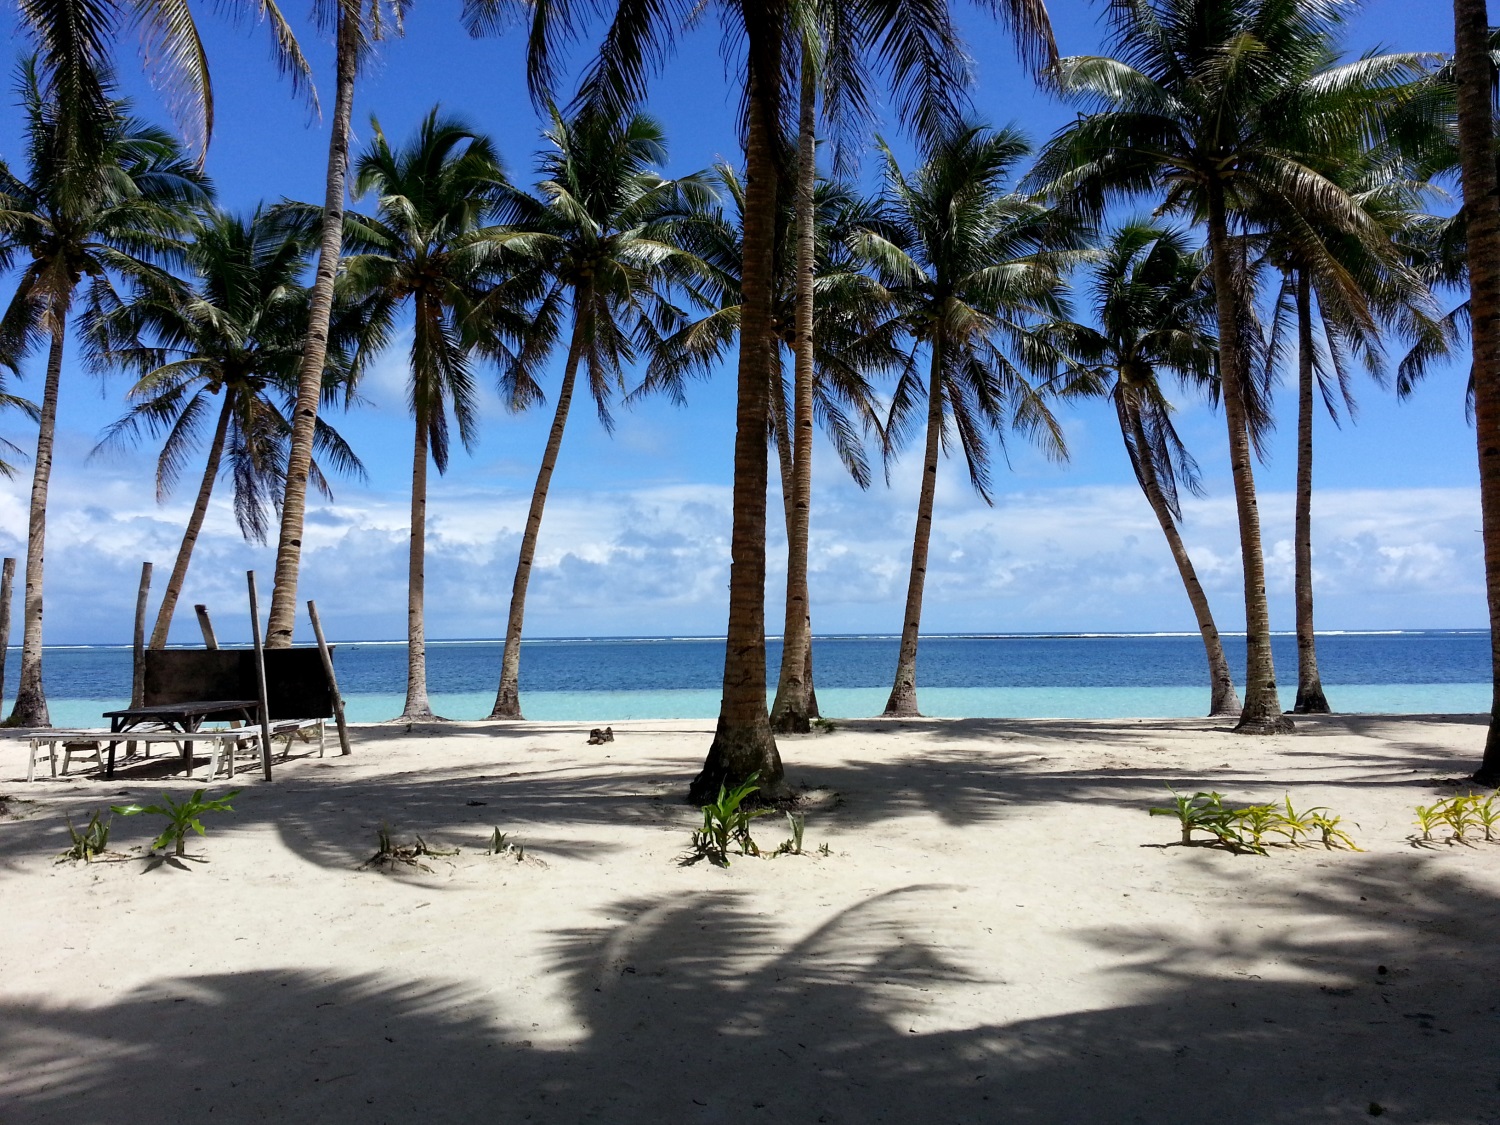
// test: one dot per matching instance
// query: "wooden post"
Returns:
(260, 679)
(7, 577)
(327, 654)
(138, 656)
(209, 640)
(138, 676)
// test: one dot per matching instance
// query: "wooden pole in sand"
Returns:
(138, 649)
(138, 672)
(209, 640)
(327, 654)
(260, 679)
(7, 578)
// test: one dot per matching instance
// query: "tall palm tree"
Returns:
(852, 340)
(82, 225)
(235, 334)
(1153, 314)
(430, 246)
(1209, 101)
(916, 47)
(1476, 139)
(602, 230)
(974, 272)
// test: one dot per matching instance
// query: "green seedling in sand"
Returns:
(1329, 831)
(1428, 818)
(182, 817)
(1487, 813)
(500, 844)
(824, 726)
(1460, 816)
(387, 852)
(824, 849)
(727, 820)
(1294, 825)
(1461, 813)
(793, 846)
(1248, 828)
(1202, 812)
(91, 842)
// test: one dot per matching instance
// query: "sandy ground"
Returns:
(999, 934)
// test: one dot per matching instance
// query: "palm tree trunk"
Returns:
(1310, 698)
(194, 526)
(1262, 712)
(1482, 212)
(790, 711)
(743, 743)
(903, 698)
(508, 697)
(283, 614)
(417, 706)
(30, 708)
(781, 427)
(1222, 700)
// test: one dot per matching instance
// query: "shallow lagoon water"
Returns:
(1030, 676)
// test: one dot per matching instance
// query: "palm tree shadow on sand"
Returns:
(697, 1008)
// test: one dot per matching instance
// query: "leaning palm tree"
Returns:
(82, 225)
(1152, 314)
(430, 247)
(1481, 186)
(917, 48)
(601, 229)
(235, 334)
(1210, 102)
(974, 272)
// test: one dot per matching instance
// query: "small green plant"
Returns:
(182, 817)
(1253, 823)
(792, 846)
(1202, 812)
(824, 726)
(1488, 814)
(389, 853)
(727, 821)
(1458, 812)
(824, 849)
(1330, 833)
(1249, 828)
(501, 844)
(1429, 817)
(91, 842)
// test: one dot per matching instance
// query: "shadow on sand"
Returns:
(697, 1009)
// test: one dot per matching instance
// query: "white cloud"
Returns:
(654, 559)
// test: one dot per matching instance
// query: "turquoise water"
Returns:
(601, 680)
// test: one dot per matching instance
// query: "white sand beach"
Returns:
(999, 933)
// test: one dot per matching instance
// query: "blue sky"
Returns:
(636, 537)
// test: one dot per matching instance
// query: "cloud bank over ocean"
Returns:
(652, 559)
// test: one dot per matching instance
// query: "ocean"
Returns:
(609, 679)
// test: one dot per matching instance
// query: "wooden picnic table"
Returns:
(183, 717)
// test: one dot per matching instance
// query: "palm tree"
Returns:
(82, 226)
(917, 48)
(430, 245)
(75, 42)
(973, 271)
(1210, 102)
(852, 340)
(1154, 314)
(1476, 132)
(237, 335)
(602, 230)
